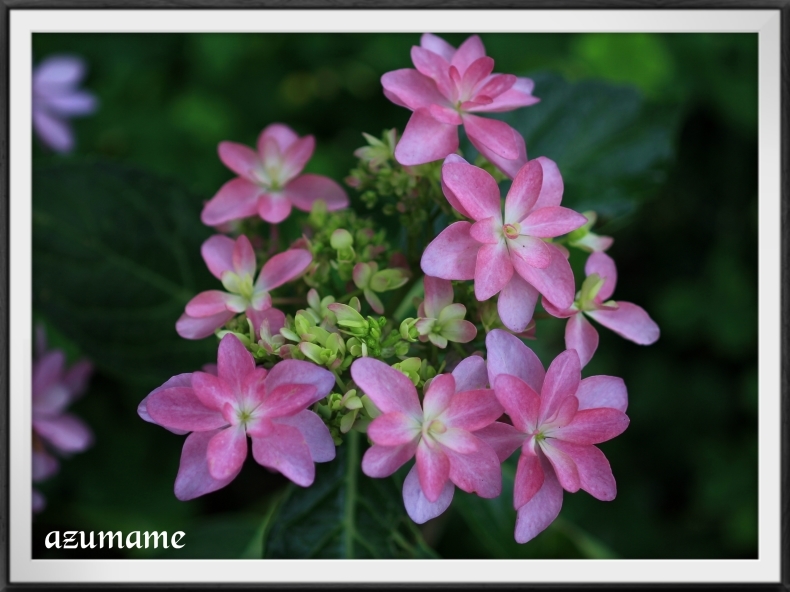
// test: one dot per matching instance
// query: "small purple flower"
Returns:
(54, 388)
(56, 98)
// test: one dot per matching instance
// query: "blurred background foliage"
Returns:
(656, 132)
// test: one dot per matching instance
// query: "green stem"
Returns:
(346, 297)
(417, 290)
(349, 525)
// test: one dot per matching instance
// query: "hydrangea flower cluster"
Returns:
(320, 345)
(54, 388)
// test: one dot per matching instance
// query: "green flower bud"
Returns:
(341, 239)
(408, 331)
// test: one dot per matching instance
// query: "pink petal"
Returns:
(477, 472)
(475, 189)
(516, 304)
(37, 501)
(552, 221)
(478, 71)
(493, 270)
(437, 45)
(65, 432)
(43, 465)
(524, 192)
(445, 115)
(217, 252)
(502, 437)
(275, 318)
(472, 410)
(487, 231)
(390, 389)
(236, 199)
(243, 257)
(212, 302)
(300, 372)
(304, 191)
(54, 132)
(629, 321)
(417, 505)
(183, 380)
(273, 207)
(285, 450)
(531, 251)
(595, 473)
(315, 433)
(555, 282)
(551, 191)
(383, 461)
(408, 88)
(213, 392)
(457, 440)
(562, 380)
(193, 478)
(564, 467)
(536, 515)
(438, 396)
(282, 268)
(564, 415)
(59, 71)
(452, 255)
(290, 399)
(602, 391)
(282, 135)
(507, 354)
(528, 481)
(75, 103)
(558, 312)
(295, 158)
(180, 408)
(436, 68)
(226, 452)
(438, 294)
(470, 374)
(393, 429)
(197, 328)
(581, 336)
(495, 135)
(234, 362)
(49, 394)
(509, 166)
(451, 198)
(494, 86)
(592, 426)
(518, 95)
(433, 469)
(470, 50)
(240, 159)
(425, 140)
(459, 331)
(604, 266)
(519, 400)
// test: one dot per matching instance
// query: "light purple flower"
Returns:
(449, 88)
(233, 263)
(269, 181)
(54, 389)
(624, 318)
(557, 418)
(441, 434)
(56, 98)
(241, 400)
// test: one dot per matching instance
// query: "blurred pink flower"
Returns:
(627, 320)
(269, 181)
(241, 400)
(491, 249)
(440, 434)
(54, 389)
(56, 98)
(557, 417)
(448, 88)
(233, 262)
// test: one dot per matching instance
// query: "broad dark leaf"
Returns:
(344, 514)
(116, 256)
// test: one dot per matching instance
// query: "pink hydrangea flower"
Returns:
(233, 263)
(441, 434)
(627, 320)
(494, 247)
(557, 418)
(449, 88)
(441, 320)
(54, 389)
(269, 182)
(56, 98)
(240, 401)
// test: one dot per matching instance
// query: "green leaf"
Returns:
(229, 536)
(116, 256)
(612, 148)
(344, 514)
